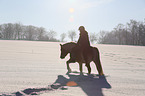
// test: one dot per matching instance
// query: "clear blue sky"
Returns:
(64, 15)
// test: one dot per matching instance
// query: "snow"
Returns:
(35, 66)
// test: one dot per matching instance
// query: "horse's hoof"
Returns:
(88, 74)
(101, 74)
(81, 73)
(64, 88)
(68, 72)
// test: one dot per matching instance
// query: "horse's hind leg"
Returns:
(98, 66)
(89, 68)
(97, 61)
(81, 68)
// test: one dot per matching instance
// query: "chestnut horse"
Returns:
(93, 56)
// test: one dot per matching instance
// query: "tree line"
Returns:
(18, 31)
(133, 33)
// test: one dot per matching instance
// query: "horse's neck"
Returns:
(69, 47)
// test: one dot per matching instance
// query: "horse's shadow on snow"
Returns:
(90, 84)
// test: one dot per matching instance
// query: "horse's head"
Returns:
(64, 52)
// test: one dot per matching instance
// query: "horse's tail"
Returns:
(97, 61)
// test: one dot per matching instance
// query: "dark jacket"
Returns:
(83, 41)
(83, 46)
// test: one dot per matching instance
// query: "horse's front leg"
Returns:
(68, 62)
(68, 68)
(81, 68)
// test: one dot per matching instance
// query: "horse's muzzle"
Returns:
(62, 57)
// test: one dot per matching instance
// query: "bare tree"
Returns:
(7, 30)
(41, 33)
(62, 37)
(1, 35)
(118, 30)
(51, 34)
(142, 34)
(93, 37)
(18, 31)
(102, 36)
(133, 28)
(72, 35)
(30, 32)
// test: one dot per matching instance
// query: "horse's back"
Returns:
(95, 49)
(95, 52)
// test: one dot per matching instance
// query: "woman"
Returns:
(83, 46)
(83, 41)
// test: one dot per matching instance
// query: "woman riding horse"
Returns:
(82, 48)
(82, 52)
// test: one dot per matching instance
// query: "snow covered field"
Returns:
(31, 68)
